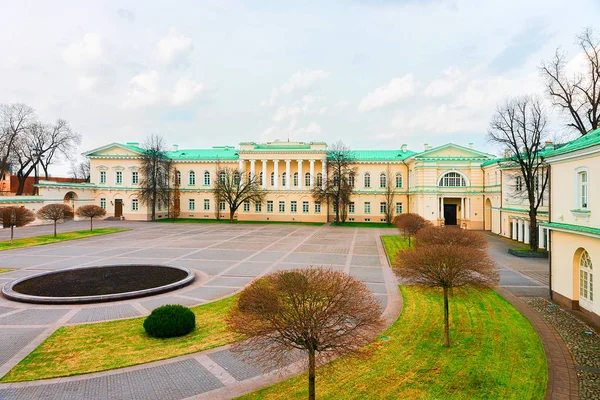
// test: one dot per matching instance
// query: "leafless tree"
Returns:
(317, 311)
(338, 184)
(15, 217)
(90, 211)
(446, 266)
(520, 126)
(55, 212)
(156, 167)
(577, 94)
(450, 236)
(14, 121)
(389, 195)
(234, 189)
(80, 169)
(409, 224)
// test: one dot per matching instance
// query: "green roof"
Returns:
(216, 153)
(381, 155)
(588, 140)
(570, 227)
(544, 153)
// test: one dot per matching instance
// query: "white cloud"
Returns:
(445, 86)
(396, 90)
(185, 91)
(174, 49)
(299, 81)
(313, 127)
(82, 53)
(292, 131)
(85, 83)
(143, 91)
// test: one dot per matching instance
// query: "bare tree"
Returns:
(55, 212)
(389, 195)
(15, 217)
(176, 198)
(156, 168)
(234, 189)
(449, 235)
(576, 95)
(60, 141)
(338, 185)
(80, 169)
(90, 211)
(409, 224)
(520, 127)
(446, 266)
(317, 311)
(14, 120)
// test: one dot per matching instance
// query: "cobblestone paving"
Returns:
(585, 347)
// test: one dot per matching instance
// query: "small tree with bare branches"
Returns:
(234, 189)
(446, 266)
(389, 195)
(317, 311)
(450, 236)
(55, 212)
(409, 224)
(15, 217)
(90, 211)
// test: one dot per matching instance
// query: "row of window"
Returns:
(135, 177)
(367, 207)
(258, 206)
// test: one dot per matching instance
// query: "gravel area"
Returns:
(581, 340)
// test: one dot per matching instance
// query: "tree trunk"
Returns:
(231, 214)
(533, 237)
(54, 228)
(91, 225)
(311, 374)
(446, 319)
(12, 233)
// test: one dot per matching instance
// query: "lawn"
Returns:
(495, 354)
(3, 270)
(226, 221)
(364, 225)
(81, 349)
(61, 237)
(393, 244)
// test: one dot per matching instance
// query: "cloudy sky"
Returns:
(374, 74)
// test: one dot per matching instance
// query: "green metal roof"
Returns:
(216, 153)
(588, 140)
(543, 153)
(381, 155)
(570, 227)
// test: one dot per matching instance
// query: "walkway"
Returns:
(225, 257)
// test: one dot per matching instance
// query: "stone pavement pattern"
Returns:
(225, 257)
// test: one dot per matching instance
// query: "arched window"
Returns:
(382, 180)
(236, 178)
(586, 279)
(398, 180)
(319, 181)
(260, 178)
(192, 178)
(272, 178)
(295, 179)
(206, 178)
(307, 179)
(222, 176)
(351, 179)
(452, 179)
(367, 180)
(283, 179)
(178, 177)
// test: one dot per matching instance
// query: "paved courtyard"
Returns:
(225, 259)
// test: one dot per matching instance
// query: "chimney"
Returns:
(404, 148)
(175, 147)
(426, 146)
(549, 146)
(471, 145)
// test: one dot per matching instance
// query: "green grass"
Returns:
(3, 270)
(81, 349)
(495, 354)
(528, 250)
(226, 221)
(393, 244)
(61, 237)
(364, 225)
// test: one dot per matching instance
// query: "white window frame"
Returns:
(319, 179)
(367, 180)
(247, 206)
(582, 189)
(178, 177)
(191, 178)
(258, 207)
(272, 179)
(295, 179)
(118, 177)
(135, 205)
(382, 180)
(399, 181)
(206, 204)
(269, 206)
(351, 207)
(293, 206)
(398, 207)
(281, 206)
(206, 178)
(317, 207)
(191, 204)
(135, 178)
(382, 207)
(307, 179)
(453, 176)
(367, 207)
(222, 206)
(305, 206)
(103, 202)
(586, 281)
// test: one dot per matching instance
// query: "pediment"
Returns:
(452, 150)
(113, 150)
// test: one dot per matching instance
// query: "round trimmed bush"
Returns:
(170, 320)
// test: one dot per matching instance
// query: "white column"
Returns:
(252, 168)
(541, 237)
(264, 174)
(276, 170)
(242, 171)
(300, 177)
(526, 233)
(462, 209)
(515, 228)
(520, 231)
(288, 175)
(324, 171)
(468, 204)
(442, 207)
(312, 174)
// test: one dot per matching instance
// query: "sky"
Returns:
(374, 74)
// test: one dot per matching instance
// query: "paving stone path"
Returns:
(225, 259)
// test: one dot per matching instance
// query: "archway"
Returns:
(70, 199)
(487, 212)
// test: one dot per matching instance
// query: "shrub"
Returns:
(170, 320)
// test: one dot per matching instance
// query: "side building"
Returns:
(575, 224)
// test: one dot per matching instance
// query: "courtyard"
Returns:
(225, 257)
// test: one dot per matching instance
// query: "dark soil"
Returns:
(100, 280)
